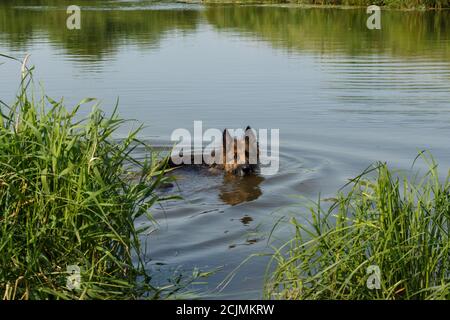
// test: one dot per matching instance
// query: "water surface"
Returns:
(341, 95)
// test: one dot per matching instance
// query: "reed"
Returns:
(69, 195)
(400, 225)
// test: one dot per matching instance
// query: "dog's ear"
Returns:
(227, 147)
(250, 136)
(224, 135)
(227, 138)
(251, 146)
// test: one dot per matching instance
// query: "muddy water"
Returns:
(342, 97)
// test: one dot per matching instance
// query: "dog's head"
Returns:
(240, 154)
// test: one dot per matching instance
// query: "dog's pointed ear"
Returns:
(251, 146)
(250, 133)
(227, 138)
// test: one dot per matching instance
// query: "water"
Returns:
(341, 95)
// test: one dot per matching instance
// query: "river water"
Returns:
(342, 97)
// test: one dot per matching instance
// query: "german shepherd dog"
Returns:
(239, 155)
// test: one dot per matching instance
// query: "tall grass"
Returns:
(400, 225)
(69, 195)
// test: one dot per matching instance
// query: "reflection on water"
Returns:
(246, 220)
(109, 25)
(236, 189)
(342, 96)
(339, 31)
(106, 26)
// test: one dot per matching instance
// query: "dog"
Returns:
(238, 155)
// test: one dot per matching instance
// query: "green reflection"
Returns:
(106, 25)
(103, 28)
(339, 31)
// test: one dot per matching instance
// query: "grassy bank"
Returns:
(69, 195)
(402, 227)
(402, 4)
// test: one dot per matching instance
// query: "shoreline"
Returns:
(294, 4)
